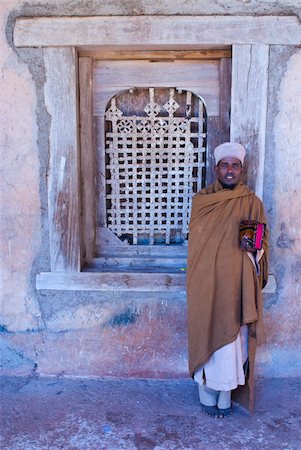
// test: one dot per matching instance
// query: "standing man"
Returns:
(224, 283)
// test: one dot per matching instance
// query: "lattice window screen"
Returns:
(155, 161)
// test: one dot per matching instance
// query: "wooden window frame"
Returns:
(216, 64)
(62, 38)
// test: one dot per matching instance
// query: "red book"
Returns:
(251, 234)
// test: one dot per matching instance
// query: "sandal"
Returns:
(211, 411)
(224, 413)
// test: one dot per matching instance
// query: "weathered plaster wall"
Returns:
(116, 335)
(283, 200)
(20, 200)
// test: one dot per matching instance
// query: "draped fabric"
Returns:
(223, 287)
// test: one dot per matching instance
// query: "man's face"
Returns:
(229, 171)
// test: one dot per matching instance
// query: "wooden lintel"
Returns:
(107, 281)
(153, 55)
(156, 31)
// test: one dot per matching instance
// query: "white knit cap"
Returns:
(229, 150)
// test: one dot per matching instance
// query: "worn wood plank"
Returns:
(153, 55)
(87, 160)
(214, 138)
(144, 73)
(168, 251)
(137, 264)
(219, 126)
(63, 179)
(225, 98)
(108, 281)
(210, 96)
(200, 77)
(99, 130)
(156, 30)
(249, 107)
(109, 245)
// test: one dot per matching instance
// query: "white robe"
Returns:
(224, 370)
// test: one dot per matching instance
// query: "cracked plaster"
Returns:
(20, 202)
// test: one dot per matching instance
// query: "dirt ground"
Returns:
(85, 414)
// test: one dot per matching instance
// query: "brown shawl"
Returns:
(223, 288)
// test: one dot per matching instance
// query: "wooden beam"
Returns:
(63, 179)
(87, 158)
(200, 77)
(153, 55)
(218, 127)
(214, 138)
(249, 107)
(107, 281)
(225, 98)
(109, 245)
(121, 263)
(165, 31)
(117, 281)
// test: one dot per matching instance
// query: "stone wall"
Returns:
(96, 334)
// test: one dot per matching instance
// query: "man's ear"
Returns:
(215, 169)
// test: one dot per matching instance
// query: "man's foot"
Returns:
(211, 411)
(208, 400)
(224, 413)
(224, 404)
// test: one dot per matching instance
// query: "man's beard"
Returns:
(228, 186)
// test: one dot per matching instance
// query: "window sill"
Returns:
(112, 281)
(173, 280)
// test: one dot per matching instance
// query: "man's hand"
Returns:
(247, 246)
